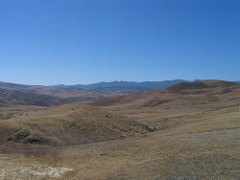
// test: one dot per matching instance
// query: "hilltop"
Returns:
(201, 85)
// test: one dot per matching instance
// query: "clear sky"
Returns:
(85, 41)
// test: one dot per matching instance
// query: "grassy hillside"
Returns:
(68, 125)
(23, 97)
(180, 95)
(196, 136)
(66, 95)
(191, 145)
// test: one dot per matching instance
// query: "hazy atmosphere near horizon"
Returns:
(85, 41)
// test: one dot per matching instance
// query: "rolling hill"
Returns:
(22, 97)
(67, 125)
(17, 94)
(196, 136)
(186, 94)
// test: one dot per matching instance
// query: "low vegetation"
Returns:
(69, 125)
(177, 133)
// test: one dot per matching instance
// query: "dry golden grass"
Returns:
(201, 141)
(68, 125)
(204, 94)
(201, 145)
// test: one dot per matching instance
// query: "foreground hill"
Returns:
(185, 94)
(68, 125)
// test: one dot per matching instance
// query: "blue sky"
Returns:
(84, 41)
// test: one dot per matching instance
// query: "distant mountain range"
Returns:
(125, 87)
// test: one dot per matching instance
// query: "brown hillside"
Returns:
(196, 137)
(200, 85)
(180, 95)
(69, 95)
(22, 97)
(68, 124)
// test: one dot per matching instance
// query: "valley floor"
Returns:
(189, 144)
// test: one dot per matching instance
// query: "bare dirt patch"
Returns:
(15, 170)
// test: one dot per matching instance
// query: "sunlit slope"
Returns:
(180, 95)
(69, 124)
